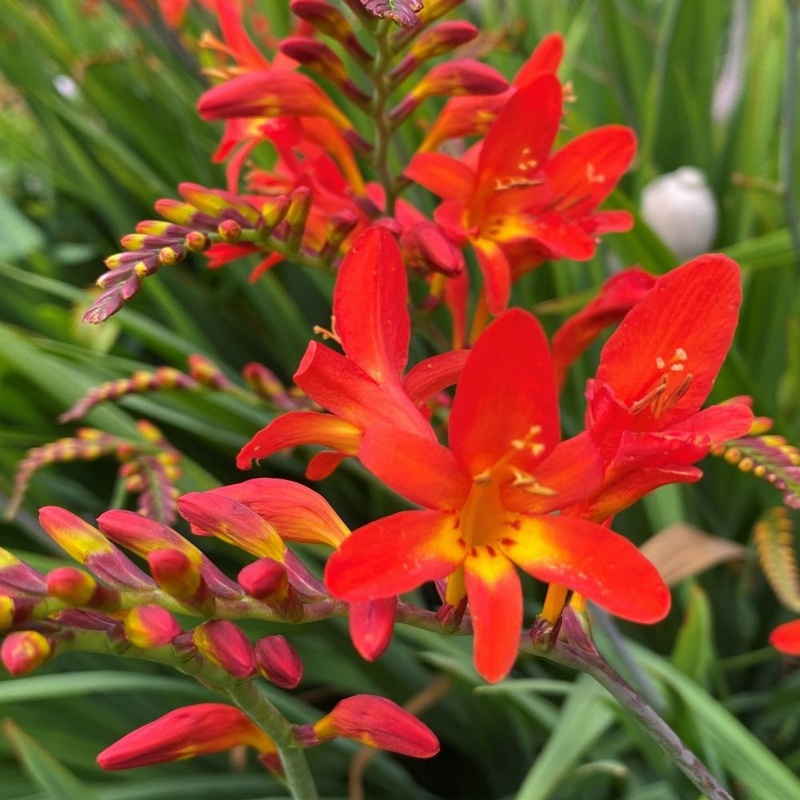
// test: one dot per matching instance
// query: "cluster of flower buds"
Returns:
(214, 727)
(149, 468)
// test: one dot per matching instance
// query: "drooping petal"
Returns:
(719, 423)
(557, 235)
(369, 305)
(372, 625)
(443, 175)
(495, 605)
(297, 428)
(603, 566)
(545, 58)
(683, 327)
(506, 398)
(585, 171)
(430, 376)
(394, 555)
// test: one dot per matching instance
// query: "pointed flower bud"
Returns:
(226, 645)
(426, 247)
(176, 573)
(278, 662)
(329, 20)
(24, 651)
(186, 733)
(150, 626)
(213, 514)
(377, 722)
(371, 626)
(89, 546)
(18, 578)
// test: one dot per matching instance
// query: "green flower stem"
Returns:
(582, 655)
(255, 704)
(379, 114)
(789, 124)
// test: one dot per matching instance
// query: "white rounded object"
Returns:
(681, 209)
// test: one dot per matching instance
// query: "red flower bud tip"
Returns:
(316, 55)
(186, 733)
(77, 537)
(330, 21)
(71, 586)
(229, 231)
(150, 626)
(24, 651)
(427, 247)
(372, 625)
(786, 638)
(232, 521)
(462, 76)
(176, 573)
(378, 722)
(442, 39)
(226, 645)
(278, 662)
(265, 579)
(17, 578)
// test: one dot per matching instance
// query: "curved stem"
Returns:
(580, 653)
(383, 126)
(293, 758)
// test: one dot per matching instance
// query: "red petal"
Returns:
(786, 638)
(517, 145)
(545, 58)
(495, 605)
(507, 387)
(372, 625)
(585, 171)
(394, 555)
(430, 376)
(296, 428)
(425, 472)
(687, 320)
(496, 274)
(369, 305)
(590, 559)
(443, 175)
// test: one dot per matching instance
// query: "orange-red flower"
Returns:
(655, 372)
(365, 386)
(786, 638)
(487, 501)
(517, 204)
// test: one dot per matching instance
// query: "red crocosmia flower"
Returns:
(487, 501)
(515, 203)
(786, 638)
(186, 733)
(617, 296)
(365, 386)
(655, 372)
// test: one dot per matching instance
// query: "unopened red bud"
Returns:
(371, 626)
(265, 579)
(150, 626)
(229, 231)
(442, 38)
(227, 646)
(297, 215)
(24, 651)
(278, 662)
(169, 256)
(316, 55)
(186, 733)
(72, 586)
(16, 577)
(378, 722)
(329, 20)
(274, 210)
(462, 76)
(176, 212)
(176, 573)
(427, 247)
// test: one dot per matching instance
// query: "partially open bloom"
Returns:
(487, 504)
(365, 386)
(515, 202)
(655, 372)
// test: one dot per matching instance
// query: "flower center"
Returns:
(672, 384)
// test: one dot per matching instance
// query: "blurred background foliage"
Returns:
(98, 121)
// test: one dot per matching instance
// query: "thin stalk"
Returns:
(293, 758)
(379, 113)
(582, 655)
(789, 124)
